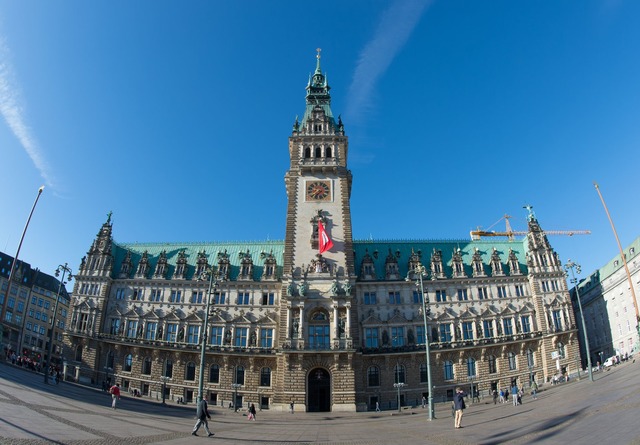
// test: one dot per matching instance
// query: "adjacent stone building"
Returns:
(610, 309)
(330, 331)
(27, 312)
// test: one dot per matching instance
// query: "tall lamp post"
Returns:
(65, 270)
(399, 386)
(570, 266)
(164, 379)
(235, 387)
(421, 271)
(213, 282)
(15, 259)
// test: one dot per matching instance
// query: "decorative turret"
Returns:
(99, 259)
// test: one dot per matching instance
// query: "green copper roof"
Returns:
(235, 251)
(402, 250)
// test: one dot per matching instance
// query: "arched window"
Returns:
(168, 368)
(491, 360)
(214, 374)
(530, 359)
(110, 359)
(373, 376)
(399, 374)
(561, 349)
(318, 152)
(265, 377)
(512, 361)
(128, 361)
(424, 376)
(190, 371)
(79, 353)
(146, 366)
(448, 370)
(471, 367)
(328, 152)
(307, 152)
(240, 375)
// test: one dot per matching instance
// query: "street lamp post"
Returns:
(235, 387)
(15, 259)
(164, 379)
(570, 266)
(65, 269)
(399, 386)
(421, 271)
(213, 282)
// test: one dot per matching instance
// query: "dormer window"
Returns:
(246, 266)
(496, 264)
(477, 265)
(514, 265)
(367, 268)
(456, 264)
(437, 269)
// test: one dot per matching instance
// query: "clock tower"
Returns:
(316, 311)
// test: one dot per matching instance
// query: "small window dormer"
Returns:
(496, 264)
(457, 265)
(391, 266)
(223, 265)
(161, 267)
(143, 266)
(437, 268)
(367, 268)
(125, 268)
(246, 266)
(181, 266)
(270, 266)
(477, 265)
(514, 264)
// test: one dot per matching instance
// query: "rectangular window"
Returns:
(138, 294)
(37, 317)
(519, 290)
(172, 332)
(462, 295)
(243, 298)
(219, 297)
(502, 292)
(196, 297)
(394, 297)
(397, 336)
(488, 328)
(193, 334)
(268, 298)
(11, 302)
(371, 338)
(47, 303)
(467, 330)
(448, 370)
(176, 296)
(445, 332)
(28, 325)
(526, 324)
(441, 295)
(417, 297)
(156, 295)
(420, 335)
(240, 338)
(557, 320)
(370, 298)
(508, 328)
(216, 336)
(132, 327)
(151, 329)
(114, 328)
(545, 286)
(266, 338)
(120, 294)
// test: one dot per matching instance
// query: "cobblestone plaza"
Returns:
(575, 412)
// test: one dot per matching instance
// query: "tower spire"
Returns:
(318, 70)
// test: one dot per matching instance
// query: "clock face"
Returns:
(318, 191)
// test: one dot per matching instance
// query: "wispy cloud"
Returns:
(394, 29)
(13, 112)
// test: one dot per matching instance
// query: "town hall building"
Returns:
(338, 330)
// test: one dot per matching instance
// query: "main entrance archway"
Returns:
(319, 390)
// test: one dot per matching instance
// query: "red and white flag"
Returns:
(325, 242)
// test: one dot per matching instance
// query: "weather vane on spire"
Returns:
(319, 51)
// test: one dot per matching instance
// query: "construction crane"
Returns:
(511, 234)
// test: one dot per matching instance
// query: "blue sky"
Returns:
(175, 116)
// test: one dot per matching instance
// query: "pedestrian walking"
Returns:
(202, 414)
(514, 394)
(424, 402)
(501, 394)
(378, 407)
(291, 407)
(252, 412)
(115, 394)
(495, 396)
(534, 390)
(458, 406)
